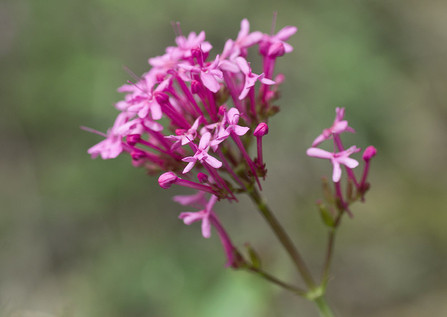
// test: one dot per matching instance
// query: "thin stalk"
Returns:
(323, 307)
(281, 234)
(276, 281)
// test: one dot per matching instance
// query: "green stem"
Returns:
(283, 237)
(323, 307)
(315, 293)
(276, 281)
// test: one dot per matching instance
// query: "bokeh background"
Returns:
(92, 238)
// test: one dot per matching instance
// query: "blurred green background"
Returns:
(93, 238)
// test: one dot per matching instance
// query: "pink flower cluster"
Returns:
(191, 114)
(340, 156)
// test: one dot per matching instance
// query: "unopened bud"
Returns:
(161, 97)
(196, 87)
(133, 139)
(136, 154)
(279, 79)
(197, 53)
(261, 130)
(264, 48)
(276, 50)
(167, 179)
(203, 178)
(222, 110)
(369, 153)
(160, 77)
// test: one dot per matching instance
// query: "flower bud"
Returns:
(167, 179)
(160, 77)
(197, 53)
(133, 139)
(161, 97)
(136, 154)
(222, 110)
(369, 153)
(203, 178)
(276, 50)
(264, 48)
(196, 87)
(279, 79)
(261, 130)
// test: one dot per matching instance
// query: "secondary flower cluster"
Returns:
(191, 115)
(339, 157)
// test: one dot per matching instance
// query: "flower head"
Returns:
(336, 159)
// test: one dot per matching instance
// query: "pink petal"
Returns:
(156, 111)
(191, 199)
(189, 166)
(245, 28)
(240, 130)
(190, 217)
(205, 141)
(349, 162)
(267, 81)
(206, 227)
(243, 65)
(319, 153)
(287, 47)
(286, 32)
(210, 82)
(213, 162)
(229, 66)
(318, 140)
(233, 116)
(152, 125)
(340, 126)
(336, 175)
(251, 39)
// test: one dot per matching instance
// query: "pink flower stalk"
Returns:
(250, 78)
(339, 126)
(369, 153)
(336, 159)
(261, 130)
(166, 180)
(201, 155)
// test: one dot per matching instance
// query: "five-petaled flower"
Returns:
(336, 159)
(202, 155)
(190, 217)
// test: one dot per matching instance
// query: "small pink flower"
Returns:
(232, 119)
(112, 146)
(337, 127)
(250, 78)
(208, 74)
(190, 217)
(269, 43)
(336, 159)
(184, 137)
(202, 155)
